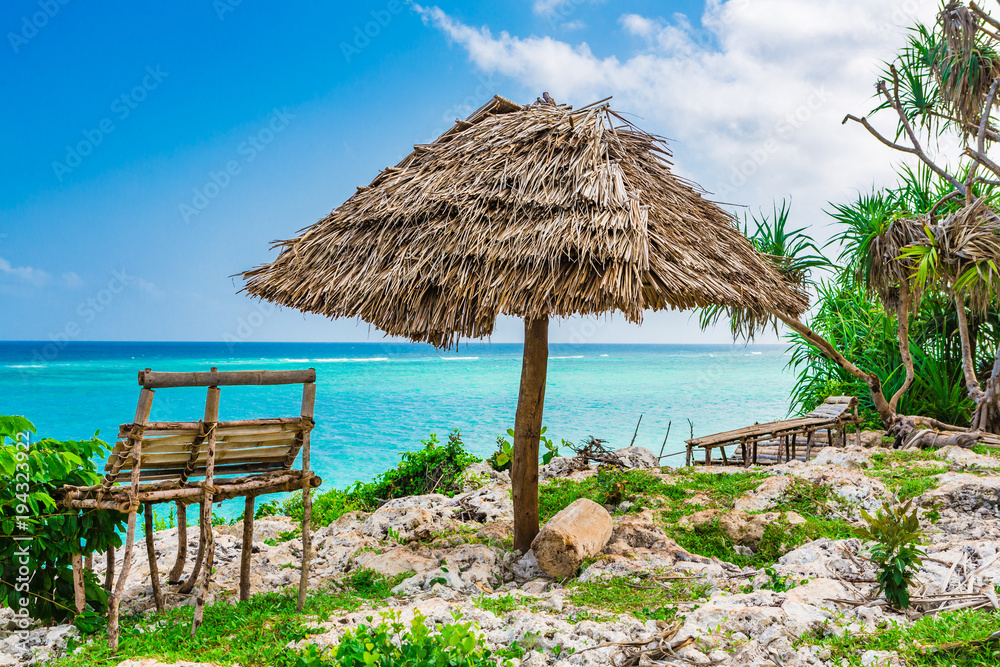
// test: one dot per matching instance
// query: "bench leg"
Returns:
(177, 571)
(247, 548)
(79, 595)
(154, 574)
(208, 539)
(188, 585)
(115, 599)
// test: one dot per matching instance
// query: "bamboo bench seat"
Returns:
(203, 462)
(828, 418)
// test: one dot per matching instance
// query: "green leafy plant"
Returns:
(435, 468)
(159, 523)
(503, 457)
(391, 644)
(777, 582)
(41, 536)
(551, 449)
(896, 532)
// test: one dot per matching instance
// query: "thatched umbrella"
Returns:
(531, 211)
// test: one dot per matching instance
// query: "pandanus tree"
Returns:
(880, 260)
(922, 239)
(945, 82)
(796, 258)
(535, 212)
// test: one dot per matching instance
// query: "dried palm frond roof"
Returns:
(529, 211)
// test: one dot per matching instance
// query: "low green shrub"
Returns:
(391, 644)
(502, 459)
(896, 532)
(435, 468)
(41, 537)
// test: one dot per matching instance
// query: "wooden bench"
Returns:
(830, 416)
(202, 462)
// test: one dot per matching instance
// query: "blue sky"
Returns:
(153, 150)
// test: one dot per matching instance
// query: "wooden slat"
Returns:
(193, 428)
(158, 459)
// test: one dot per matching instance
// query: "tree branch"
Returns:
(893, 101)
(981, 138)
(877, 135)
(982, 159)
(903, 315)
(885, 412)
(950, 195)
(968, 365)
(983, 15)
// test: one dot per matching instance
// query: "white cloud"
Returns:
(24, 274)
(72, 280)
(753, 99)
(555, 7)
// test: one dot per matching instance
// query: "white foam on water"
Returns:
(342, 359)
(459, 358)
(577, 356)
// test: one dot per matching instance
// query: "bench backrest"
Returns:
(180, 451)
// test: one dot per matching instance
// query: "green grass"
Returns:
(710, 540)
(253, 633)
(608, 486)
(803, 497)
(646, 490)
(644, 600)
(721, 491)
(983, 450)
(503, 604)
(896, 469)
(930, 631)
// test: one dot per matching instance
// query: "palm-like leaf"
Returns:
(795, 256)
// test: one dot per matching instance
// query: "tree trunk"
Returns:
(903, 329)
(527, 428)
(968, 365)
(885, 411)
(986, 416)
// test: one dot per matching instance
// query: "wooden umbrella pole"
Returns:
(527, 428)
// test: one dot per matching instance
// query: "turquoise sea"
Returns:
(375, 400)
